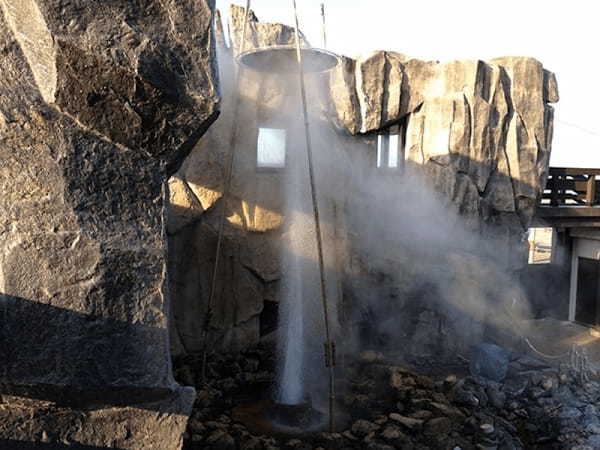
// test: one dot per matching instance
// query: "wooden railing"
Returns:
(572, 187)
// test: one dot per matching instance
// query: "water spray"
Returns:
(278, 59)
(329, 344)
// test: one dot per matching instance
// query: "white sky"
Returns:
(563, 35)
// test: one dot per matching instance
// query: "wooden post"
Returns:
(574, 279)
(591, 190)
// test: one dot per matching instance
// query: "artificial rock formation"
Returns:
(425, 246)
(258, 34)
(250, 269)
(479, 134)
(97, 105)
(482, 131)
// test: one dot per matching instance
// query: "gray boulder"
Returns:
(489, 361)
(98, 104)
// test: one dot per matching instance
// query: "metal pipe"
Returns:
(226, 189)
(324, 26)
(329, 345)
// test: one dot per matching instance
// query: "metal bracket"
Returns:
(329, 353)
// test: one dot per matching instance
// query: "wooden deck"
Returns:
(572, 187)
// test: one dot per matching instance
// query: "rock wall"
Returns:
(482, 131)
(477, 140)
(97, 106)
(477, 137)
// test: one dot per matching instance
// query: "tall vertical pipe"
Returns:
(329, 346)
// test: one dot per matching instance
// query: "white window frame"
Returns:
(390, 148)
(273, 136)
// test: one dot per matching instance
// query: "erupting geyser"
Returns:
(303, 284)
(291, 331)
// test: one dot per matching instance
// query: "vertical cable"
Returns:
(329, 345)
(226, 189)
(324, 26)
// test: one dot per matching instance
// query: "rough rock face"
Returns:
(258, 34)
(483, 131)
(249, 266)
(479, 135)
(148, 424)
(97, 106)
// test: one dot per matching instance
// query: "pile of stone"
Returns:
(535, 406)
(389, 405)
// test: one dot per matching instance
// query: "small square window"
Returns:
(389, 145)
(270, 149)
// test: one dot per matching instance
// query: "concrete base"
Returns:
(34, 424)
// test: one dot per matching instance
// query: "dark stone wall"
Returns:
(99, 102)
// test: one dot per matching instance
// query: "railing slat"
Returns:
(591, 190)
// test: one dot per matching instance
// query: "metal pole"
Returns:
(324, 26)
(226, 189)
(329, 345)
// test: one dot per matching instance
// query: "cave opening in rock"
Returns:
(269, 318)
